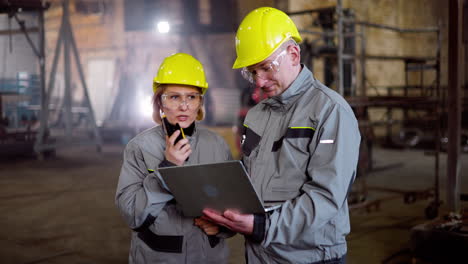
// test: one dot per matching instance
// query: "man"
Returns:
(300, 147)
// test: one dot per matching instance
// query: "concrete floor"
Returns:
(62, 210)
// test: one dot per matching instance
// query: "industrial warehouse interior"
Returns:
(76, 85)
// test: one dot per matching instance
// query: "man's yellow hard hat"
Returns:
(181, 68)
(262, 32)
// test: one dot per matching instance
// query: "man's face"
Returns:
(273, 75)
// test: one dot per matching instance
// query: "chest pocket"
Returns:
(294, 132)
(250, 140)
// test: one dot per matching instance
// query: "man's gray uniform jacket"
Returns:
(141, 193)
(301, 149)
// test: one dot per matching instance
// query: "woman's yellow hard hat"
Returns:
(181, 68)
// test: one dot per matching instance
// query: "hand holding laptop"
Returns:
(242, 223)
(206, 225)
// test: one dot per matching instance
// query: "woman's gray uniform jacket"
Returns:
(301, 149)
(142, 196)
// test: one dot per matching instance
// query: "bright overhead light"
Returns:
(163, 26)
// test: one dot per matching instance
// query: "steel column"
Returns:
(454, 105)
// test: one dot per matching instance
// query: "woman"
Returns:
(161, 234)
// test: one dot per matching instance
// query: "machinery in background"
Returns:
(21, 92)
(19, 109)
(338, 40)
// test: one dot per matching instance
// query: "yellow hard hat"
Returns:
(181, 68)
(262, 32)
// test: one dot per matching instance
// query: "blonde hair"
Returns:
(160, 89)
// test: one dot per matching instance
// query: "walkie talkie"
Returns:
(170, 129)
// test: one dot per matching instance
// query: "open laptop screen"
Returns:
(219, 186)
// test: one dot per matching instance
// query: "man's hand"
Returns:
(242, 223)
(179, 152)
(207, 226)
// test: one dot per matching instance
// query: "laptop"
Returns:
(219, 186)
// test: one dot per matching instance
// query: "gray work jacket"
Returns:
(143, 200)
(301, 149)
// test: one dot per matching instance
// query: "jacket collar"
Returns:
(285, 100)
(190, 130)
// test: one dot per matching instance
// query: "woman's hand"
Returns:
(179, 152)
(208, 227)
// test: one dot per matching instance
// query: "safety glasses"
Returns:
(175, 100)
(264, 70)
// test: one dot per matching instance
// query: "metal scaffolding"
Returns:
(67, 40)
(339, 35)
(22, 142)
(41, 141)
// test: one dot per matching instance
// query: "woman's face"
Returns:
(181, 103)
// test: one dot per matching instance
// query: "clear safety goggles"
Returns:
(264, 70)
(175, 100)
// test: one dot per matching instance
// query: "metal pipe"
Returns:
(19, 31)
(362, 59)
(10, 39)
(25, 32)
(330, 33)
(376, 57)
(66, 54)
(396, 29)
(308, 11)
(454, 105)
(42, 62)
(438, 112)
(47, 93)
(97, 135)
(339, 11)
